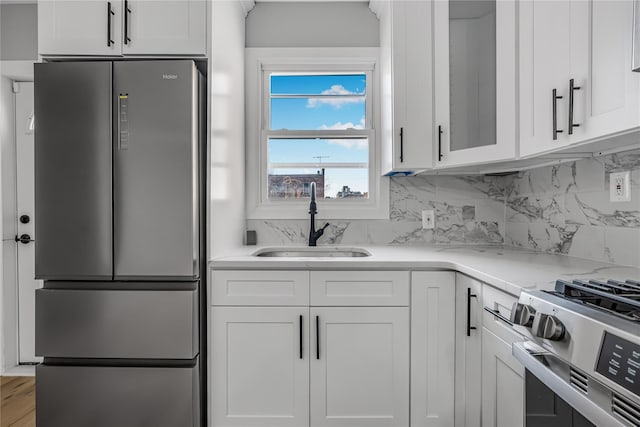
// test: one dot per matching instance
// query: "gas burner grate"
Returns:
(619, 298)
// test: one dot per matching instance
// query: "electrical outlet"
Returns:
(619, 186)
(428, 219)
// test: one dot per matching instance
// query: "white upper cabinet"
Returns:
(79, 27)
(584, 45)
(165, 27)
(406, 78)
(475, 81)
(116, 28)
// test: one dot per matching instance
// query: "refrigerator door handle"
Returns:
(123, 121)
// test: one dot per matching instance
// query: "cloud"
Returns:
(357, 143)
(343, 126)
(334, 102)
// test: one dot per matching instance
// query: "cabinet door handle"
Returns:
(401, 145)
(496, 313)
(318, 337)
(127, 11)
(469, 296)
(440, 131)
(110, 13)
(572, 88)
(555, 97)
(301, 334)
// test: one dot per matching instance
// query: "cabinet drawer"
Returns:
(501, 302)
(260, 287)
(360, 288)
(108, 396)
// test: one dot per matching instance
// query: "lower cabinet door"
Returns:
(117, 396)
(360, 366)
(502, 384)
(260, 366)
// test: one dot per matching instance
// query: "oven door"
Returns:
(556, 394)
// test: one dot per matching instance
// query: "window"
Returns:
(316, 123)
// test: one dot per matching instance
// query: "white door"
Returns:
(167, 27)
(468, 337)
(432, 348)
(27, 284)
(260, 366)
(72, 27)
(502, 384)
(360, 367)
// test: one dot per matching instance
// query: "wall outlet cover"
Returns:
(620, 186)
(428, 219)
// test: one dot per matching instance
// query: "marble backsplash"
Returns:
(566, 209)
(560, 209)
(468, 209)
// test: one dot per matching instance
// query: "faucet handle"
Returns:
(325, 226)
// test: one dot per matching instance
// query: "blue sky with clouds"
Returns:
(320, 113)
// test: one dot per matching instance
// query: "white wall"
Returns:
(312, 24)
(18, 32)
(226, 86)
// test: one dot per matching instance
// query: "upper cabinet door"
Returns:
(79, 27)
(176, 27)
(475, 81)
(545, 66)
(406, 75)
(608, 100)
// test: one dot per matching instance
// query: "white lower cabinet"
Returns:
(360, 366)
(432, 349)
(502, 384)
(260, 366)
(300, 366)
(468, 339)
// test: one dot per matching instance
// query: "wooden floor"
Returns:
(18, 396)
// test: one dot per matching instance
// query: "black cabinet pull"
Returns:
(555, 97)
(318, 337)
(572, 88)
(440, 131)
(110, 13)
(300, 324)
(24, 239)
(401, 145)
(497, 314)
(127, 11)
(469, 296)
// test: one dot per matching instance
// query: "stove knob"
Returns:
(548, 326)
(522, 314)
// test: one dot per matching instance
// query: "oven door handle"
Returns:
(529, 357)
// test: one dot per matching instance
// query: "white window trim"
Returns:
(314, 59)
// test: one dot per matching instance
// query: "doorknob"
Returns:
(24, 238)
(24, 219)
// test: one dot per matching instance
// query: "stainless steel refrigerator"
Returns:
(119, 218)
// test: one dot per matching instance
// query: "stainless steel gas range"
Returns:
(582, 358)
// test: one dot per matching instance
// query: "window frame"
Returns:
(260, 63)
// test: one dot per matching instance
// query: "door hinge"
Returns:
(16, 87)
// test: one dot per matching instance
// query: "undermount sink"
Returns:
(313, 252)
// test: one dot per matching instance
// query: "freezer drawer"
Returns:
(124, 324)
(82, 396)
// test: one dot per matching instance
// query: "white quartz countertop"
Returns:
(507, 268)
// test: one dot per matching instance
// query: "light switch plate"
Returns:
(428, 219)
(619, 186)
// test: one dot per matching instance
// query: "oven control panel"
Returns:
(619, 361)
